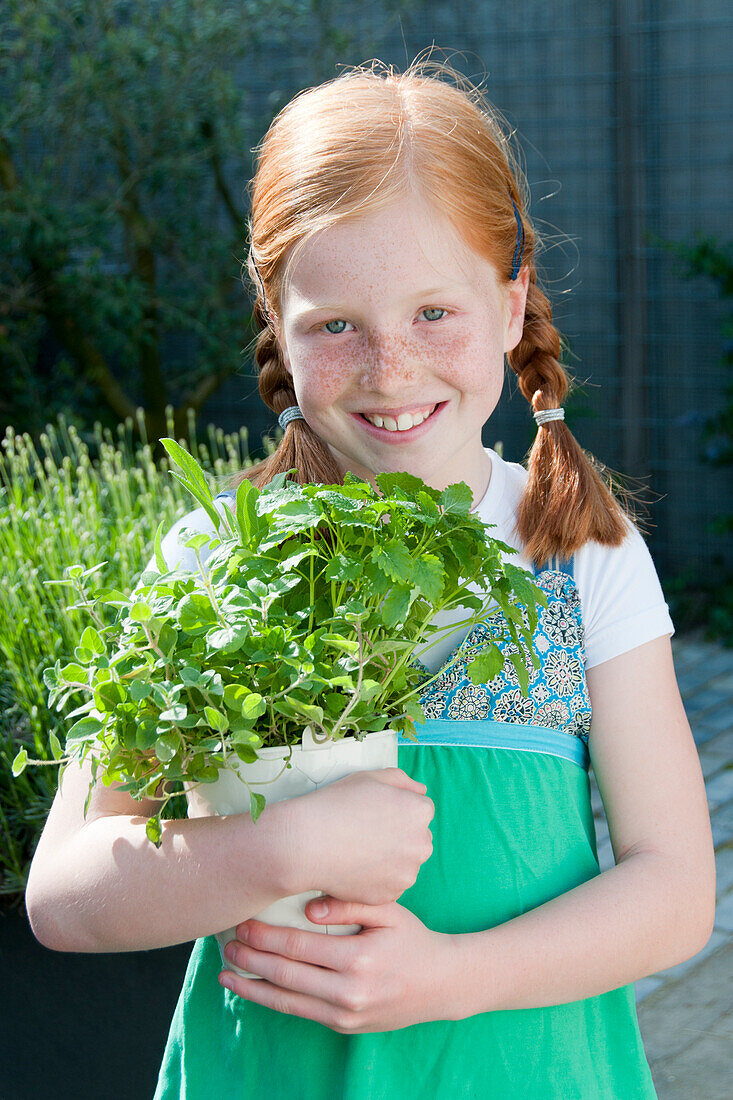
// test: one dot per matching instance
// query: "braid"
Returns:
(300, 447)
(566, 501)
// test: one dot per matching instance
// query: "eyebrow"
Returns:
(336, 309)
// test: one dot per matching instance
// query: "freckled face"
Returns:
(393, 311)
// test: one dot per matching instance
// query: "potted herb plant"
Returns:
(287, 659)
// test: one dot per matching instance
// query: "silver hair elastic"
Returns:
(543, 416)
(291, 413)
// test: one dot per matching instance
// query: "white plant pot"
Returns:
(311, 766)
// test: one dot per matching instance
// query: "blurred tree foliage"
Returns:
(125, 138)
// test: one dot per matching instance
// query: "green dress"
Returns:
(513, 828)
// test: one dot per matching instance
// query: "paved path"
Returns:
(686, 1012)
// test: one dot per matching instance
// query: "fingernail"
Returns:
(319, 908)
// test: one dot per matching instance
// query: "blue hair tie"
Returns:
(517, 260)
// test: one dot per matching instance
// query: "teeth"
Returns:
(404, 421)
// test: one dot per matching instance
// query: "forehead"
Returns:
(405, 247)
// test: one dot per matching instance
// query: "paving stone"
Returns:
(701, 1071)
(679, 1012)
(723, 871)
(724, 913)
(645, 986)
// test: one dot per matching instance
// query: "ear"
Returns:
(516, 303)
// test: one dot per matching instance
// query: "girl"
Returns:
(395, 268)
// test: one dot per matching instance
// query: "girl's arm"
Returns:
(656, 907)
(101, 885)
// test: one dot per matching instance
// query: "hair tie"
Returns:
(519, 248)
(291, 413)
(543, 416)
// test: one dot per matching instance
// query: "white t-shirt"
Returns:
(621, 598)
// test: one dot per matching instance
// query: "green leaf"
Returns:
(72, 674)
(216, 720)
(20, 762)
(253, 706)
(176, 713)
(166, 747)
(256, 804)
(245, 753)
(160, 561)
(342, 568)
(91, 639)
(85, 729)
(108, 695)
(198, 541)
(394, 560)
(295, 708)
(56, 749)
(344, 645)
(140, 612)
(139, 690)
(250, 523)
(457, 499)
(154, 831)
(194, 480)
(396, 606)
(521, 670)
(486, 666)
(407, 483)
(428, 576)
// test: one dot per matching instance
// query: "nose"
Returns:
(389, 366)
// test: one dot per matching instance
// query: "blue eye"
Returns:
(335, 323)
(434, 309)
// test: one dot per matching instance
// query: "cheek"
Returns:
(471, 364)
(320, 377)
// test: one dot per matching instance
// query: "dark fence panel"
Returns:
(620, 113)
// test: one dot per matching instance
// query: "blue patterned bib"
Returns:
(558, 695)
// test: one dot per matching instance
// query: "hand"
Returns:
(394, 973)
(364, 837)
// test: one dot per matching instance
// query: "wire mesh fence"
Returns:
(622, 112)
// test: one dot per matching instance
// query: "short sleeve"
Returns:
(621, 598)
(175, 553)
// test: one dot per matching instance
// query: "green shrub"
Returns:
(75, 502)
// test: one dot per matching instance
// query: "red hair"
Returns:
(357, 143)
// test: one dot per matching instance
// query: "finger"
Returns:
(281, 1000)
(352, 912)
(296, 944)
(396, 777)
(286, 974)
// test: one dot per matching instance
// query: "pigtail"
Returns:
(300, 447)
(566, 501)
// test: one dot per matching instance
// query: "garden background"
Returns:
(126, 139)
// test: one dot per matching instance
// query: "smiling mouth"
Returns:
(401, 425)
